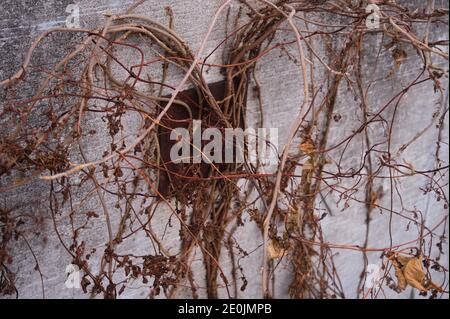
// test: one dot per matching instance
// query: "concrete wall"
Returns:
(21, 21)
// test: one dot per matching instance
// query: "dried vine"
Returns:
(42, 134)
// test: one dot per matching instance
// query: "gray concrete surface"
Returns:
(21, 21)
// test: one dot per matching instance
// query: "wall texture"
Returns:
(21, 21)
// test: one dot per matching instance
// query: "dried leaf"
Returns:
(414, 273)
(91, 214)
(399, 56)
(275, 251)
(409, 271)
(399, 274)
(307, 146)
(84, 283)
